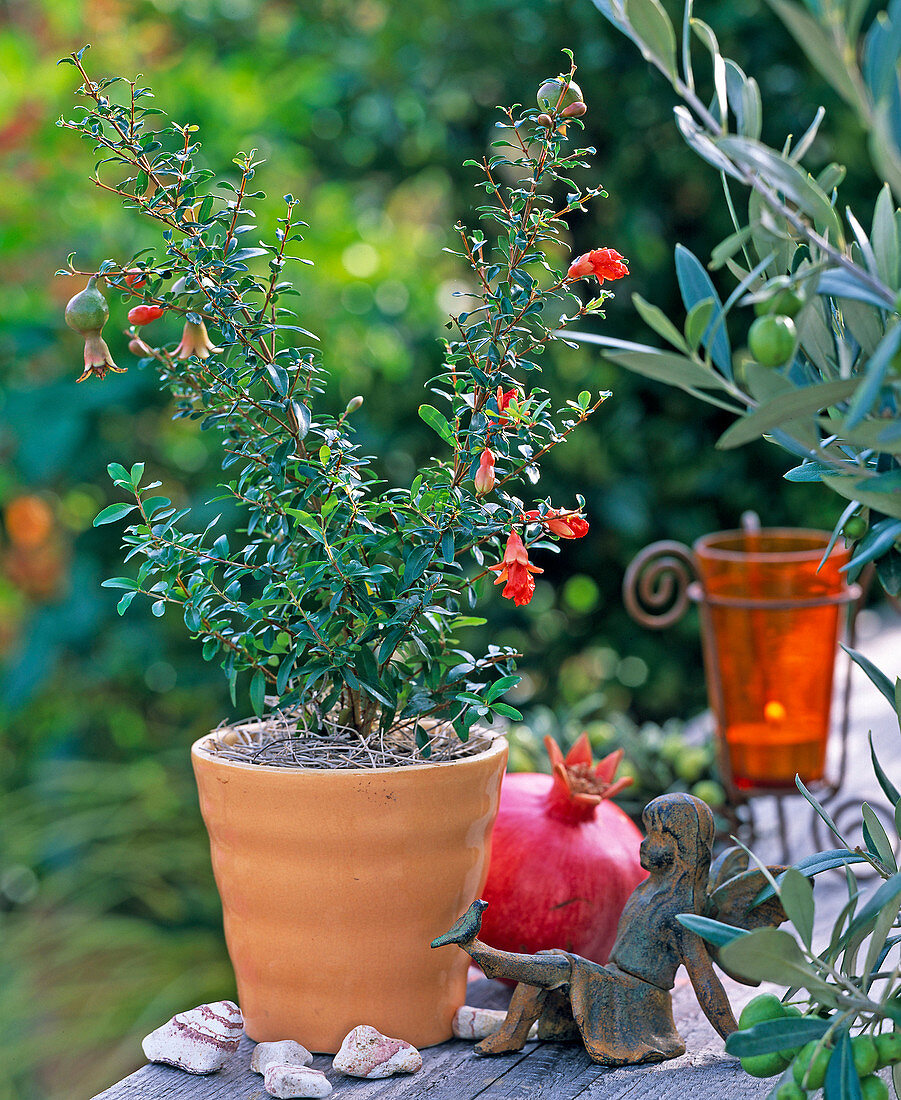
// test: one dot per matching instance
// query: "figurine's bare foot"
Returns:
(499, 1044)
(466, 928)
(525, 1007)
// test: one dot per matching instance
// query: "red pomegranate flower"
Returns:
(515, 571)
(504, 397)
(602, 263)
(565, 525)
(484, 477)
(143, 315)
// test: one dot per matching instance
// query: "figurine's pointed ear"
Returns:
(729, 863)
(733, 902)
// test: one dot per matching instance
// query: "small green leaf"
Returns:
(655, 318)
(884, 237)
(876, 837)
(437, 423)
(125, 602)
(258, 692)
(113, 512)
(877, 677)
(697, 321)
(506, 711)
(500, 686)
(118, 473)
(889, 789)
(713, 931)
(796, 895)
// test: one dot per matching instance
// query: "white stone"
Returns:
(289, 1081)
(284, 1053)
(479, 1023)
(199, 1041)
(365, 1052)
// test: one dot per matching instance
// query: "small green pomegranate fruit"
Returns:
(771, 340)
(87, 312)
(549, 94)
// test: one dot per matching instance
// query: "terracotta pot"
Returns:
(333, 884)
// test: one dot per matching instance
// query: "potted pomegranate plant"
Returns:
(349, 819)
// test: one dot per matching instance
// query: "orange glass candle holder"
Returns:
(770, 628)
(771, 616)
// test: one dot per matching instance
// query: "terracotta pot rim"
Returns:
(199, 749)
(706, 545)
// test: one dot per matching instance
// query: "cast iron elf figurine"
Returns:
(622, 1011)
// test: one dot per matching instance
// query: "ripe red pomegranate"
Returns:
(564, 859)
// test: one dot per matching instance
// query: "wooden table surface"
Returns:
(542, 1071)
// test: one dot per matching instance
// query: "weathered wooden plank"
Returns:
(542, 1071)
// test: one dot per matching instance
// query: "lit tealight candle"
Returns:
(774, 712)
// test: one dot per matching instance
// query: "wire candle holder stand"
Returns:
(770, 623)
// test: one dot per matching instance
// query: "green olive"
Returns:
(783, 298)
(855, 527)
(790, 1090)
(866, 1056)
(763, 1065)
(809, 1066)
(888, 1047)
(873, 1088)
(771, 340)
(765, 1006)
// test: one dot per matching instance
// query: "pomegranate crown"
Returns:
(578, 780)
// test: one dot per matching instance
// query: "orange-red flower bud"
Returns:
(485, 475)
(143, 315)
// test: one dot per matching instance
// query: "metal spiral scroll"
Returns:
(655, 587)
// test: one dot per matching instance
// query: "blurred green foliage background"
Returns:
(365, 109)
